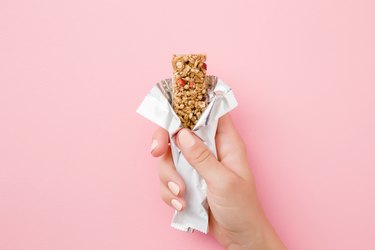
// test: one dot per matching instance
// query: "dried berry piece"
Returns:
(181, 82)
(204, 66)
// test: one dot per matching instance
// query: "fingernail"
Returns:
(174, 187)
(176, 204)
(153, 145)
(186, 139)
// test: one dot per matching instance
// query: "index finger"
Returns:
(160, 141)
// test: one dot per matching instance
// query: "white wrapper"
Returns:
(157, 107)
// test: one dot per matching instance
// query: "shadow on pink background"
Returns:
(75, 169)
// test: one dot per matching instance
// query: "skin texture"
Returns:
(236, 219)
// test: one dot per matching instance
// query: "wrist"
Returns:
(259, 236)
(253, 236)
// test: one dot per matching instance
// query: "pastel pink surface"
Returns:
(75, 169)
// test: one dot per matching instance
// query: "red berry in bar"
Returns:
(181, 82)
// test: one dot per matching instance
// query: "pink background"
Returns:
(75, 169)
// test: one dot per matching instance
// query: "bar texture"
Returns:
(189, 87)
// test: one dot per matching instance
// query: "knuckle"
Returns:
(202, 156)
(163, 194)
(161, 170)
(166, 201)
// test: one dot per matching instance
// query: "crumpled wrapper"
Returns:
(157, 107)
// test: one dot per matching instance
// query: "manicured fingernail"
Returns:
(153, 145)
(186, 139)
(174, 187)
(176, 204)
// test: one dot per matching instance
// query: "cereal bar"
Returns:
(189, 87)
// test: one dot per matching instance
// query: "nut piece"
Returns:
(189, 98)
(179, 65)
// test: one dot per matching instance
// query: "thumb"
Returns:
(199, 156)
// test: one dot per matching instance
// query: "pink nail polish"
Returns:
(175, 189)
(176, 204)
(153, 145)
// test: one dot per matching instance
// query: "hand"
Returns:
(236, 218)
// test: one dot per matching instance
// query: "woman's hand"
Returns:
(236, 218)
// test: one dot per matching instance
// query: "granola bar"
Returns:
(189, 87)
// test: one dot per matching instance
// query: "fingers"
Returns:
(170, 199)
(168, 173)
(200, 157)
(159, 145)
(172, 186)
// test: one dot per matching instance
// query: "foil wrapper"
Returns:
(157, 107)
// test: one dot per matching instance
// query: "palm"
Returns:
(223, 210)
